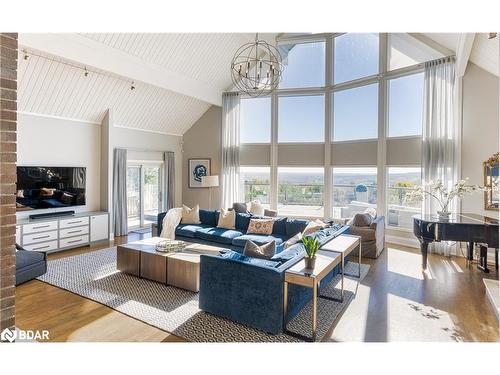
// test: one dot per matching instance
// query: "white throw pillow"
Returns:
(190, 215)
(256, 208)
(227, 219)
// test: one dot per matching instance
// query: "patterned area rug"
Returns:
(94, 275)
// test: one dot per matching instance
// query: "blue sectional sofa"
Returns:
(244, 289)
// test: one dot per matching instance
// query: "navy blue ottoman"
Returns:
(29, 265)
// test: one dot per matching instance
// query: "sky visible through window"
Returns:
(301, 118)
(255, 120)
(355, 111)
(355, 56)
(406, 96)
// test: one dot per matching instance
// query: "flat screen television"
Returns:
(50, 187)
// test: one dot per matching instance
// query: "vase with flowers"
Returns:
(444, 195)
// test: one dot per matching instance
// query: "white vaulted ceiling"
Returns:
(49, 87)
(484, 51)
(180, 76)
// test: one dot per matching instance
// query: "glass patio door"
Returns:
(143, 194)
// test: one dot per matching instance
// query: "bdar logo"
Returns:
(8, 335)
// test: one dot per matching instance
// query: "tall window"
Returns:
(354, 190)
(355, 113)
(400, 205)
(304, 65)
(406, 95)
(301, 118)
(255, 184)
(255, 120)
(300, 191)
(355, 56)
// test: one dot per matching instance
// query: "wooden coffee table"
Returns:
(180, 269)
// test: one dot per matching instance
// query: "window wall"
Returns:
(347, 106)
(300, 191)
(354, 190)
(255, 183)
(400, 205)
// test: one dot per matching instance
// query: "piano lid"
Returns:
(465, 218)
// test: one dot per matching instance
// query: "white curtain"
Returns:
(440, 135)
(168, 180)
(120, 192)
(230, 175)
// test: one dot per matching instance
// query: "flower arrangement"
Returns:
(444, 196)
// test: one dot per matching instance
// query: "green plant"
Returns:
(311, 244)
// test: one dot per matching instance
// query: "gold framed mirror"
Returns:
(491, 194)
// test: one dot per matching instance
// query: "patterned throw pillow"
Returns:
(190, 215)
(227, 219)
(260, 226)
(265, 251)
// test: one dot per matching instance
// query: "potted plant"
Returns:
(311, 245)
(444, 196)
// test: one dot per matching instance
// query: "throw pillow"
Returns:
(46, 192)
(265, 251)
(240, 208)
(260, 226)
(361, 220)
(311, 227)
(371, 211)
(190, 215)
(256, 208)
(227, 219)
(292, 241)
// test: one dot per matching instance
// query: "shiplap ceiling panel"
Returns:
(205, 57)
(48, 86)
(484, 51)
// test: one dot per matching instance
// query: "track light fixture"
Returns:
(492, 35)
(132, 87)
(86, 72)
(25, 54)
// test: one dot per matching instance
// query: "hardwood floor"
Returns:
(395, 302)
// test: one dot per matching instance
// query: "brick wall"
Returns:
(8, 117)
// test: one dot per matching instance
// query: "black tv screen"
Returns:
(50, 187)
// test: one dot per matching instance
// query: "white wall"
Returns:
(480, 131)
(50, 141)
(58, 142)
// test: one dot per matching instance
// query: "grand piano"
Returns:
(470, 228)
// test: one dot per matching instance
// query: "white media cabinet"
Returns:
(62, 232)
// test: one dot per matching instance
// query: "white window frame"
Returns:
(381, 78)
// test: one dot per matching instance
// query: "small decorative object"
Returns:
(170, 246)
(256, 68)
(311, 245)
(198, 168)
(443, 195)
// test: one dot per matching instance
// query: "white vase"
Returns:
(444, 215)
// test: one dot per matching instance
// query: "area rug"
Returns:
(94, 275)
